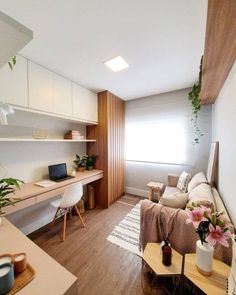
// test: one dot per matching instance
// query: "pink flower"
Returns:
(216, 234)
(196, 216)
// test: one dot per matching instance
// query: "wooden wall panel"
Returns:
(109, 147)
(220, 48)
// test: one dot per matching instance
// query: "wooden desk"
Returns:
(50, 278)
(31, 194)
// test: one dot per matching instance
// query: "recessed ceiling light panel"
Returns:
(116, 64)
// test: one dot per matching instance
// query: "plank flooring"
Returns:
(101, 267)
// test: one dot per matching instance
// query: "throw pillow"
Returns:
(183, 181)
(177, 200)
(196, 180)
(201, 195)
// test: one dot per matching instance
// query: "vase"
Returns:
(204, 258)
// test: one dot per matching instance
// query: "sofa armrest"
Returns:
(172, 180)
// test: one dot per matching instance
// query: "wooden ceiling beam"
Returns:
(220, 48)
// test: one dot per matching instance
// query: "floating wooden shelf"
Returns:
(220, 48)
(46, 140)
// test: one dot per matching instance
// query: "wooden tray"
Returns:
(22, 279)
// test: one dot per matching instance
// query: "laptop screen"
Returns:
(57, 171)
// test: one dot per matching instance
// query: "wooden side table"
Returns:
(155, 187)
(164, 277)
(216, 283)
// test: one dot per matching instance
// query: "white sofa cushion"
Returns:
(183, 181)
(202, 195)
(177, 200)
(171, 190)
(196, 180)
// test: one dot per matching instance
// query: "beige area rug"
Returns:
(126, 233)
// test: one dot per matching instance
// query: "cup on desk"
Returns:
(20, 262)
(6, 273)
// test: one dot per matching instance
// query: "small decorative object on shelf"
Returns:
(80, 163)
(8, 186)
(211, 228)
(40, 133)
(166, 253)
(74, 135)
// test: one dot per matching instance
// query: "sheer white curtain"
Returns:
(160, 133)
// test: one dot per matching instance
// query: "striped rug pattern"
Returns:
(126, 233)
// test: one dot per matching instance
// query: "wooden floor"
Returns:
(101, 267)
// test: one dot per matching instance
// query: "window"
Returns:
(163, 136)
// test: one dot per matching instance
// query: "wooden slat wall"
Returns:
(109, 147)
(220, 48)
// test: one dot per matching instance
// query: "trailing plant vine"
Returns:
(193, 96)
(12, 62)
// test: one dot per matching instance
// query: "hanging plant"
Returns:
(12, 62)
(193, 96)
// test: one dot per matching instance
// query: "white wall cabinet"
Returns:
(48, 91)
(36, 89)
(40, 88)
(62, 99)
(84, 103)
(13, 83)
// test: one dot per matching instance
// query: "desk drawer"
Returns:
(50, 194)
(20, 205)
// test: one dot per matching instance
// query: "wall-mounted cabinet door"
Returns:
(48, 91)
(41, 85)
(84, 103)
(13, 83)
(62, 96)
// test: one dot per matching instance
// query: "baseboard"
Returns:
(136, 191)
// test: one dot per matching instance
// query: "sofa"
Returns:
(158, 221)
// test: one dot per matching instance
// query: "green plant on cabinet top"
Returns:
(12, 62)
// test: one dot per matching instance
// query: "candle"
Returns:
(6, 277)
(4, 270)
(19, 257)
(20, 262)
(5, 259)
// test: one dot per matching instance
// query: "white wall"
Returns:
(29, 161)
(224, 123)
(168, 104)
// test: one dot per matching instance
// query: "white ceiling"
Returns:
(162, 40)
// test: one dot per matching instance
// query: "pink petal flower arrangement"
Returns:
(209, 224)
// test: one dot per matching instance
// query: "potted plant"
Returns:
(212, 229)
(91, 160)
(8, 186)
(80, 163)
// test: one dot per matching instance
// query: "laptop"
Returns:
(58, 172)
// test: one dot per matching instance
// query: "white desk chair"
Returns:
(70, 198)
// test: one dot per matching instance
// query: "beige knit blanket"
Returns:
(158, 222)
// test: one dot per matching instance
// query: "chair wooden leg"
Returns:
(78, 213)
(64, 226)
(54, 219)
